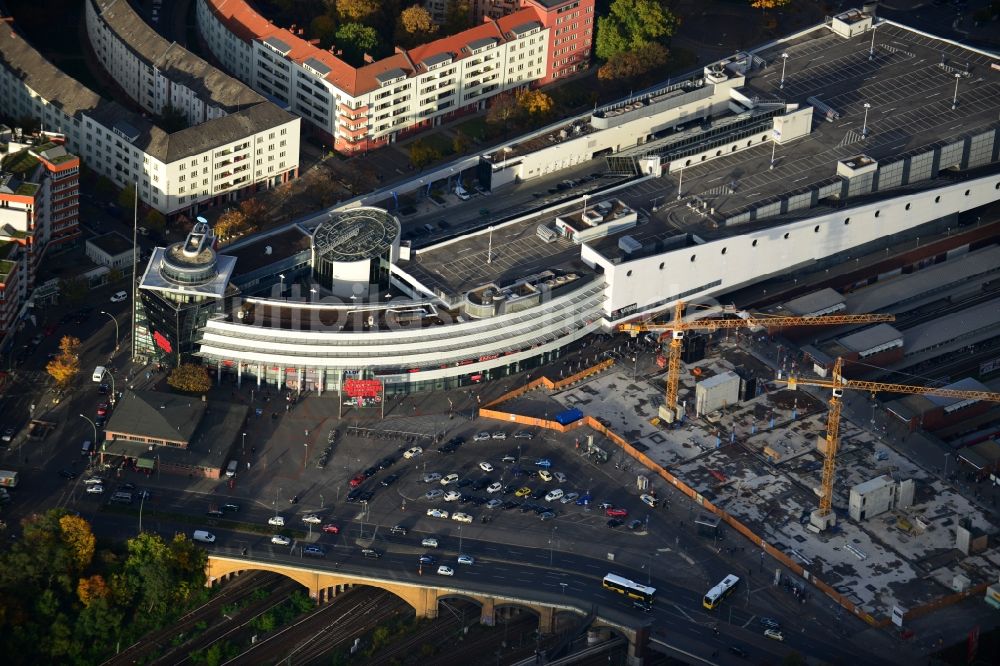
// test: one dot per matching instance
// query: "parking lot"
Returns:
(504, 484)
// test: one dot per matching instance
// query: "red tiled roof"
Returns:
(247, 24)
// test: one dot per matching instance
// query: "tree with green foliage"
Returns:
(126, 199)
(154, 220)
(323, 28)
(631, 24)
(191, 378)
(457, 17)
(356, 40)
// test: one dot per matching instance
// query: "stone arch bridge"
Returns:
(423, 597)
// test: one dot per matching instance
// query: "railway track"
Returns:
(339, 622)
(232, 592)
(278, 594)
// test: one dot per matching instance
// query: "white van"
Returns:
(99, 373)
(231, 469)
(203, 536)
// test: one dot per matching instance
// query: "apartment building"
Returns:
(39, 214)
(360, 108)
(236, 143)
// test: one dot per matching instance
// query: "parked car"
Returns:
(412, 452)
(433, 494)
(445, 571)
(314, 551)
(119, 297)
(774, 634)
(8, 434)
(494, 488)
(94, 481)
(277, 521)
(451, 496)
(559, 476)
(554, 495)
(430, 477)
(279, 540)
(614, 522)
(738, 651)
(330, 528)
(427, 559)
(543, 462)
(523, 492)
(499, 434)
(649, 500)
(481, 436)
(461, 517)
(494, 503)
(466, 559)
(437, 513)
(569, 497)
(232, 508)
(615, 512)
(449, 479)
(389, 480)
(429, 542)
(95, 490)
(547, 515)
(634, 524)
(544, 475)
(357, 480)
(398, 529)
(486, 467)
(312, 519)
(524, 434)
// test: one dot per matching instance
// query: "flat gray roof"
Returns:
(176, 63)
(909, 93)
(113, 243)
(891, 294)
(982, 317)
(818, 301)
(870, 338)
(75, 99)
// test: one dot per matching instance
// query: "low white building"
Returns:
(112, 250)
(717, 392)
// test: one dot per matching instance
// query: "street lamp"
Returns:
(244, 443)
(680, 183)
(116, 327)
(142, 499)
(784, 61)
(871, 52)
(282, 284)
(774, 148)
(96, 443)
(954, 99)
(552, 543)
(864, 125)
(459, 539)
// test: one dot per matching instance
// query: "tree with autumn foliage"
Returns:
(631, 64)
(191, 378)
(357, 10)
(534, 102)
(231, 223)
(91, 588)
(79, 539)
(66, 366)
(768, 4)
(415, 26)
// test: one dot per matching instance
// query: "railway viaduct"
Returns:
(324, 585)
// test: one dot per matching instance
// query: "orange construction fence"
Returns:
(695, 496)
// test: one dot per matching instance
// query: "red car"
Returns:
(102, 409)
(357, 481)
(615, 512)
(331, 529)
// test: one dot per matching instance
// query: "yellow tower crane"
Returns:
(678, 327)
(823, 518)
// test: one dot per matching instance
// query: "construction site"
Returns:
(905, 518)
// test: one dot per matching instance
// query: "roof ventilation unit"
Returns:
(629, 244)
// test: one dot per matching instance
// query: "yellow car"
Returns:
(523, 492)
